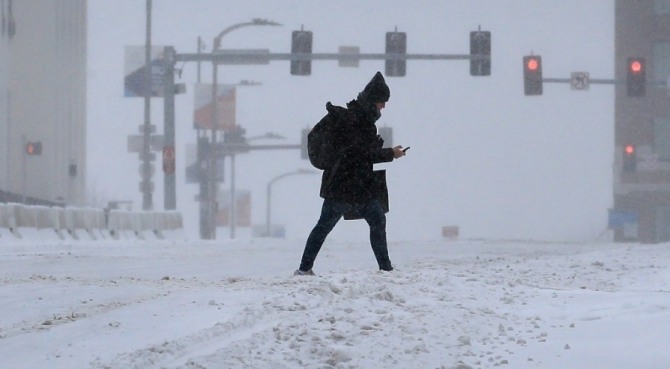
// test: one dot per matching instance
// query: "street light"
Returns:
(211, 162)
(269, 194)
(254, 22)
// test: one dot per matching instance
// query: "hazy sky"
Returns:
(484, 156)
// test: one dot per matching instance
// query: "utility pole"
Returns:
(146, 185)
(169, 157)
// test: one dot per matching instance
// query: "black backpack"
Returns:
(321, 139)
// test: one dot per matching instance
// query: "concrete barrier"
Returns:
(78, 217)
(118, 223)
(151, 222)
(93, 218)
(174, 221)
(47, 217)
(86, 223)
(13, 219)
(26, 217)
(64, 220)
(5, 216)
(5, 228)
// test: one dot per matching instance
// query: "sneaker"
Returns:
(300, 272)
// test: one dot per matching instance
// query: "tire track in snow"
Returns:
(81, 309)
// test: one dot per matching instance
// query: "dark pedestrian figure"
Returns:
(350, 186)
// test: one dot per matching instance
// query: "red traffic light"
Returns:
(532, 75)
(629, 159)
(34, 148)
(635, 66)
(636, 77)
(629, 150)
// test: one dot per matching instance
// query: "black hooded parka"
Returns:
(358, 147)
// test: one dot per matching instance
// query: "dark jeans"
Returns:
(331, 213)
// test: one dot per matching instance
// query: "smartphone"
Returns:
(405, 149)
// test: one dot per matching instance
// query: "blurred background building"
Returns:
(43, 101)
(642, 131)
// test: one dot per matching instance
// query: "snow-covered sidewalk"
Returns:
(234, 304)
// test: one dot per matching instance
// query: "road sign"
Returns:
(135, 66)
(619, 218)
(349, 56)
(579, 81)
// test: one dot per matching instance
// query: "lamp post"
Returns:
(269, 195)
(211, 162)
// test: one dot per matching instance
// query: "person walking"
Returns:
(348, 186)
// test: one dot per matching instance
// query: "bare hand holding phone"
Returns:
(399, 152)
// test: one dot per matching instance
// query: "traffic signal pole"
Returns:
(635, 80)
(263, 57)
(602, 81)
(595, 81)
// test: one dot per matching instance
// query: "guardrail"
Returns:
(18, 221)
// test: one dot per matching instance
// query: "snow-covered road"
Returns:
(234, 304)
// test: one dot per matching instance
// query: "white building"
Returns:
(43, 99)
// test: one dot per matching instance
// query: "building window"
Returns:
(662, 6)
(661, 61)
(662, 138)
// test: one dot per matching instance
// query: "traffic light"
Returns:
(532, 75)
(629, 158)
(301, 43)
(34, 148)
(636, 76)
(396, 43)
(480, 49)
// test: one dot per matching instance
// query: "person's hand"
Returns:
(398, 152)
